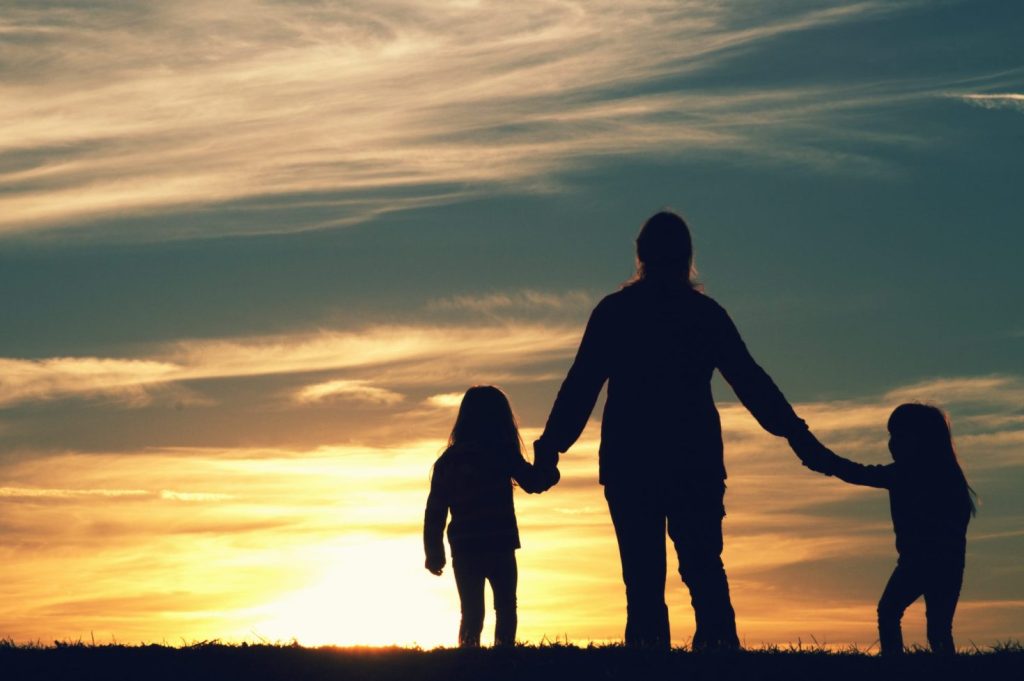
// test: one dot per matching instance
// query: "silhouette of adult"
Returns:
(657, 342)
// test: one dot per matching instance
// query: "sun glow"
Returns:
(367, 590)
(323, 547)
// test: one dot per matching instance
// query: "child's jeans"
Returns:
(938, 579)
(471, 571)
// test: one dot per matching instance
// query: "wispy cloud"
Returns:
(130, 108)
(49, 493)
(526, 300)
(1007, 100)
(403, 355)
(30, 380)
(445, 400)
(348, 389)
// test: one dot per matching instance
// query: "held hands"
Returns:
(545, 461)
(550, 478)
(812, 453)
(435, 565)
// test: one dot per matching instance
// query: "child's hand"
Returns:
(435, 565)
(549, 478)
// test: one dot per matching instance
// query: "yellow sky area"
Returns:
(324, 547)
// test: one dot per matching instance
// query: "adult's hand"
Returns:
(811, 452)
(544, 455)
(545, 461)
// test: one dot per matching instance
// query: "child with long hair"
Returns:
(473, 480)
(931, 504)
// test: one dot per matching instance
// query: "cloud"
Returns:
(527, 300)
(48, 493)
(361, 108)
(362, 391)
(406, 355)
(1006, 390)
(29, 380)
(1008, 100)
(172, 495)
(445, 400)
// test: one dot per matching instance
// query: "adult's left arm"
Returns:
(752, 384)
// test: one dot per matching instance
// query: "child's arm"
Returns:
(434, 519)
(821, 459)
(534, 478)
(858, 473)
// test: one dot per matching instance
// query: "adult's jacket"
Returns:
(657, 345)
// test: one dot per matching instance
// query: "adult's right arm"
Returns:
(579, 391)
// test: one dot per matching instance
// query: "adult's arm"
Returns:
(752, 384)
(579, 391)
(821, 459)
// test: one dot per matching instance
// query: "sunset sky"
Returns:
(253, 251)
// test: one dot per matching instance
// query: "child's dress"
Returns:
(929, 515)
(476, 486)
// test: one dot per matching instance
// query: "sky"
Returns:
(252, 252)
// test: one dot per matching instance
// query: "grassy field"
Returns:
(212, 660)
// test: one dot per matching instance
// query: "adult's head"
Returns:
(664, 249)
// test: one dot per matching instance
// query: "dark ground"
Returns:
(568, 663)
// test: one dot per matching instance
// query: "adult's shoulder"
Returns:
(611, 305)
(615, 298)
(706, 302)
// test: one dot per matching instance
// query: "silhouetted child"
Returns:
(473, 479)
(931, 504)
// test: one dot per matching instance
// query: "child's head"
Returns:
(920, 434)
(486, 418)
(921, 438)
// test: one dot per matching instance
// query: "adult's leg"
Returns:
(503, 574)
(942, 591)
(904, 587)
(469, 579)
(695, 526)
(639, 522)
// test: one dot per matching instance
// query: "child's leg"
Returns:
(903, 588)
(504, 575)
(940, 597)
(469, 579)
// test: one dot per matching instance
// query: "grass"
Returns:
(214, 660)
